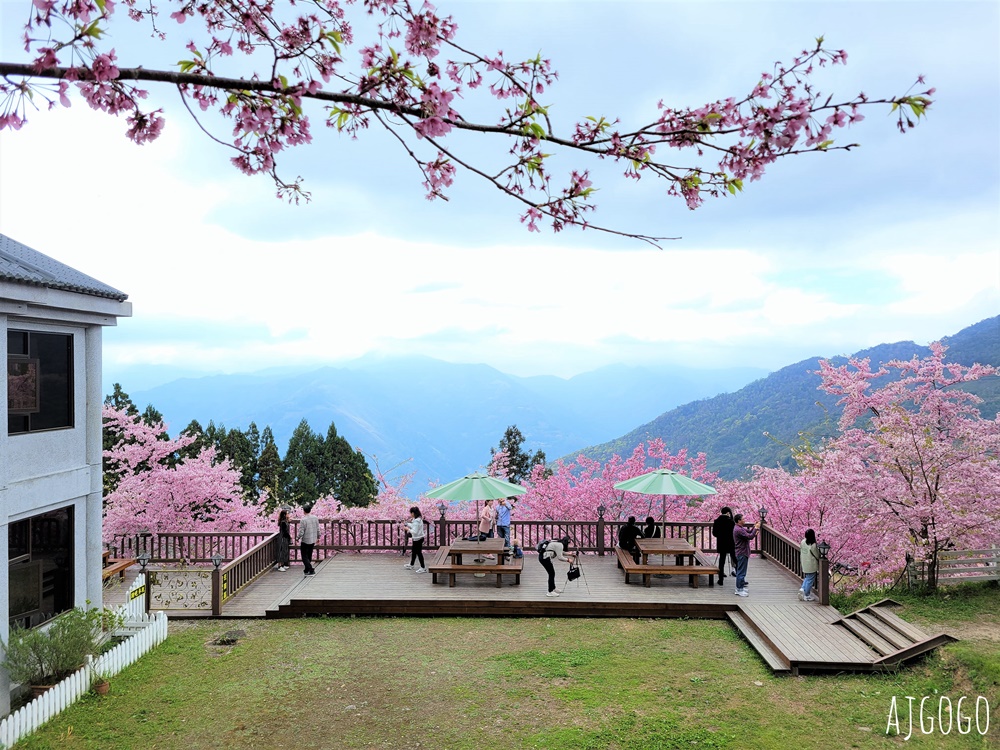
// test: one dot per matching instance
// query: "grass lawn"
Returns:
(524, 683)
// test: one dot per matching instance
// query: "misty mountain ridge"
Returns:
(759, 424)
(443, 416)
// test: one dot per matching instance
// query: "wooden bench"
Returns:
(117, 565)
(441, 562)
(702, 567)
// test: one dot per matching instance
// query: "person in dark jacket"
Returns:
(650, 530)
(627, 535)
(722, 530)
(284, 542)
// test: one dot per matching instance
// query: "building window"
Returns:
(39, 381)
(40, 567)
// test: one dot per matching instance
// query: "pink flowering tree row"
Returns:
(914, 471)
(256, 74)
(158, 491)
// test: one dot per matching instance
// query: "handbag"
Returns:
(574, 572)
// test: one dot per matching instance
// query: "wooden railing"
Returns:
(230, 578)
(190, 547)
(778, 548)
(785, 552)
(598, 536)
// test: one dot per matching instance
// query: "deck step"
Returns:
(886, 631)
(775, 660)
(916, 649)
(912, 632)
(869, 636)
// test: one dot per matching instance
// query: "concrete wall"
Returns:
(48, 470)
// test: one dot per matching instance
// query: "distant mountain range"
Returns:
(443, 417)
(757, 424)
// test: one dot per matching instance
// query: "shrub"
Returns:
(43, 657)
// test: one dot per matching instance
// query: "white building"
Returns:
(50, 453)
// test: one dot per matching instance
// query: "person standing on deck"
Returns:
(415, 527)
(741, 540)
(503, 520)
(809, 557)
(722, 530)
(487, 518)
(308, 535)
(550, 550)
(284, 542)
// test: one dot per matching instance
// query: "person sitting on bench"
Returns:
(627, 535)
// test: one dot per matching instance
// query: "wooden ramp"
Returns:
(818, 638)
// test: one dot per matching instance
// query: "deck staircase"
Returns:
(891, 638)
(819, 638)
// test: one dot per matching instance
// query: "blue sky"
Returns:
(828, 254)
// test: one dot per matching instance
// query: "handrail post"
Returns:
(824, 581)
(600, 529)
(217, 592)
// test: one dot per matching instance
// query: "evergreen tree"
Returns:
(120, 401)
(347, 475)
(519, 462)
(303, 466)
(200, 442)
(270, 474)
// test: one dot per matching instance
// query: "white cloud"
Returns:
(825, 256)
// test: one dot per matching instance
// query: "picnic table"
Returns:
(449, 561)
(687, 561)
(663, 546)
(489, 546)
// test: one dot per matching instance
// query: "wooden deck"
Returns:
(790, 635)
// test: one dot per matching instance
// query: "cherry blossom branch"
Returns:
(780, 117)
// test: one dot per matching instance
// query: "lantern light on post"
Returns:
(601, 510)
(143, 560)
(442, 507)
(763, 513)
(824, 550)
(217, 560)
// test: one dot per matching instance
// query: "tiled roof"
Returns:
(22, 264)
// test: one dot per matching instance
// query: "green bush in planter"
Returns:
(43, 657)
(28, 656)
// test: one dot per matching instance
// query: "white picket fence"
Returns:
(143, 631)
(134, 607)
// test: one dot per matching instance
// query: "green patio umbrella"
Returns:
(665, 482)
(475, 486)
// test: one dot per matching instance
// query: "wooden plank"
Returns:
(886, 631)
(910, 631)
(776, 661)
(869, 636)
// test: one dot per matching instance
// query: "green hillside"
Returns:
(757, 424)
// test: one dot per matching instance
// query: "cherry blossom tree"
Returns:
(265, 70)
(575, 490)
(159, 491)
(914, 471)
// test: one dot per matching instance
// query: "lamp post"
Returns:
(601, 510)
(143, 559)
(824, 573)
(763, 514)
(217, 593)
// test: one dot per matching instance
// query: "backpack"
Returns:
(540, 547)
